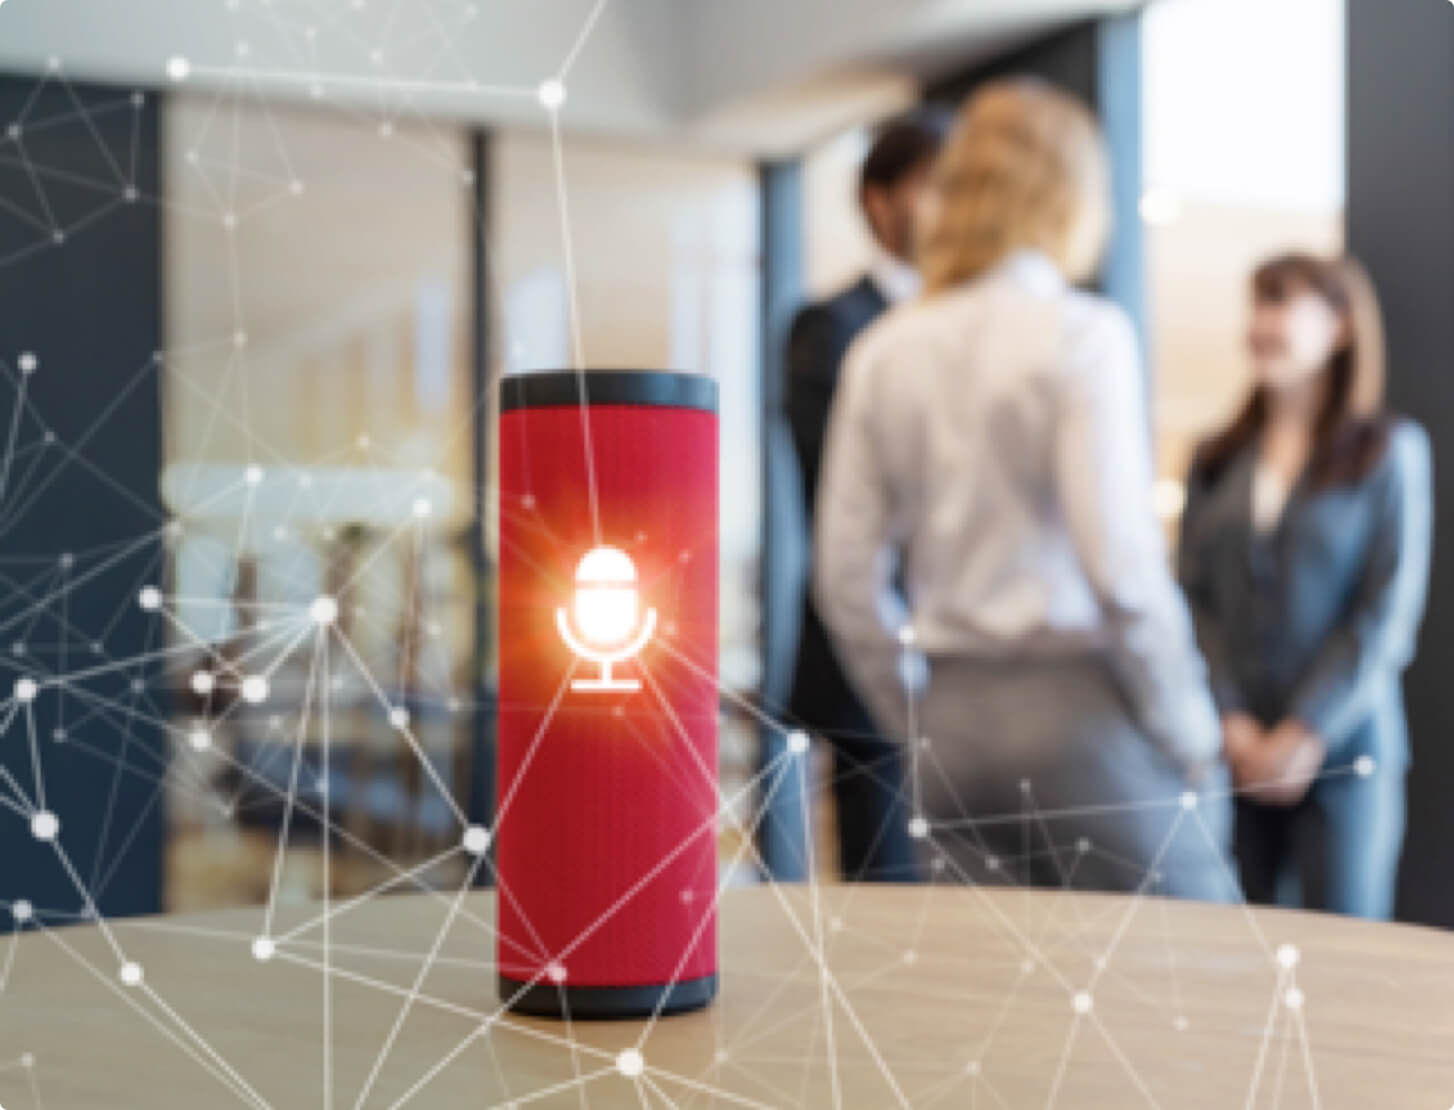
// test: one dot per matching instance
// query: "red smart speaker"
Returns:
(605, 824)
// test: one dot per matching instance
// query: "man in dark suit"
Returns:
(869, 771)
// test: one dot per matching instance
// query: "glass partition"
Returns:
(319, 437)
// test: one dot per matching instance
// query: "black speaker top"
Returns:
(556, 388)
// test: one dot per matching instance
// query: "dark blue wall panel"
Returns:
(1401, 224)
(81, 526)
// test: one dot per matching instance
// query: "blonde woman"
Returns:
(989, 449)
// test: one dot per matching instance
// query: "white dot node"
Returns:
(200, 739)
(720, 1056)
(836, 925)
(1293, 998)
(22, 910)
(1189, 800)
(28, 362)
(59, 735)
(1179, 1024)
(137, 686)
(255, 689)
(556, 973)
(27, 1060)
(552, 95)
(1364, 766)
(971, 1068)
(422, 507)
(178, 68)
(131, 974)
(13, 131)
(1288, 956)
(399, 717)
(906, 636)
(264, 949)
(130, 194)
(911, 957)
(44, 825)
(386, 130)
(797, 742)
(993, 863)
(1081, 1002)
(1082, 845)
(1027, 965)
(918, 828)
(630, 1063)
(58, 237)
(253, 475)
(203, 682)
(150, 598)
(25, 690)
(476, 840)
(324, 610)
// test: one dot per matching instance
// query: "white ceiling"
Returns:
(762, 76)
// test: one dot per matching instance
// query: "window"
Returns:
(319, 438)
(1243, 159)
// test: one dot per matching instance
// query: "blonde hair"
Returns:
(1024, 167)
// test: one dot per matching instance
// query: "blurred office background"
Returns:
(276, 293)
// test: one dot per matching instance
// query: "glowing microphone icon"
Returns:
(606, 611)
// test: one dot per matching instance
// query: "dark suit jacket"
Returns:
(820, 336)
(1317, 618)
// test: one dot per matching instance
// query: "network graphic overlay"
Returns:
(1053, 993)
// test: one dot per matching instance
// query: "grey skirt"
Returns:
(1037, 773)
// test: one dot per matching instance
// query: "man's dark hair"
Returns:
(902, 145)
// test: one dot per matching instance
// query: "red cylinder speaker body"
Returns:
(605, 825)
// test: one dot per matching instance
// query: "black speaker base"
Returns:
(606, 1003)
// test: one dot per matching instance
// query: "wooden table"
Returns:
(932, 996)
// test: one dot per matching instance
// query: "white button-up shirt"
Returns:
(993, 442)
(894, 278)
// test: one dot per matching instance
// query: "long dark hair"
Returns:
(1351, 430)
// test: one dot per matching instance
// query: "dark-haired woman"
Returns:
(1304, 554)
